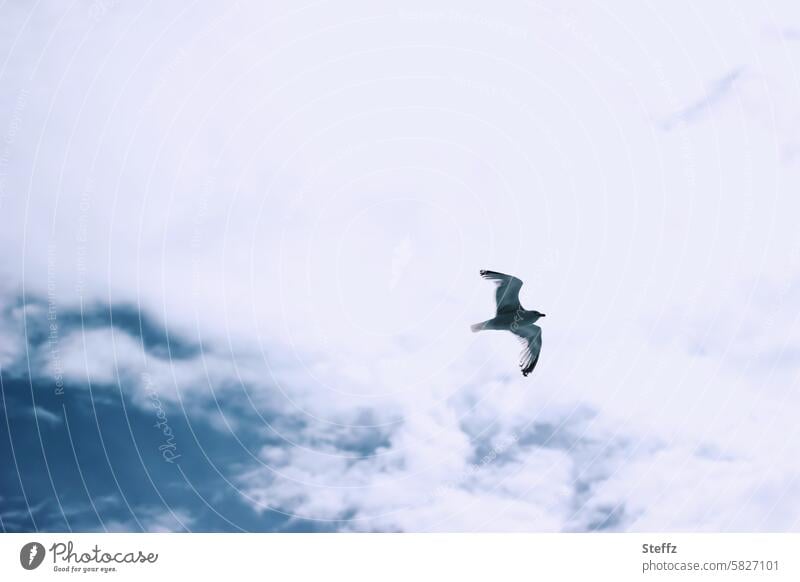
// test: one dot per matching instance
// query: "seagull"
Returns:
(511, 316)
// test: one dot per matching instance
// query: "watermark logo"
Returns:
(31, 555)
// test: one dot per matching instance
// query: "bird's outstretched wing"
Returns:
(531, 337)
(507, 295)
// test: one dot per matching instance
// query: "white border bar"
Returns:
(403, 557)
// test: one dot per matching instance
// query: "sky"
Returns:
(240, 246)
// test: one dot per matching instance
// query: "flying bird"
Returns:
(511, 316)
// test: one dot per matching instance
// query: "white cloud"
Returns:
(311, 193)
(677, 489)
(152, 520)
(44, 415)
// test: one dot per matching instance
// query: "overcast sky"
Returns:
(239, 255)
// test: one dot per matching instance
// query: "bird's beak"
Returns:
(543, 315)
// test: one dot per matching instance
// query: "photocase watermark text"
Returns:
(168, 449)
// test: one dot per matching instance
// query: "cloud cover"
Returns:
(276, 215)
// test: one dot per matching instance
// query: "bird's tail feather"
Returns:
(476, 327)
